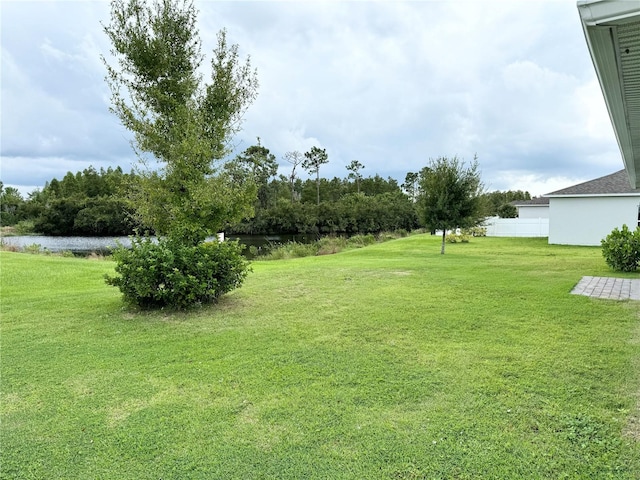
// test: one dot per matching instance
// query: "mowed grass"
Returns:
(390, 361)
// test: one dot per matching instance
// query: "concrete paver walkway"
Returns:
(608, 288)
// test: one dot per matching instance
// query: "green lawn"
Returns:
(390, 361)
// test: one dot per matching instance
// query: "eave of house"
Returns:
(612, 32)
(591, 195)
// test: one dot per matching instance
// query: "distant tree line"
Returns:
(498, 204)
(87, 203)
(96, 202)
(288, 204)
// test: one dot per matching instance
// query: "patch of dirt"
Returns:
(632, 430)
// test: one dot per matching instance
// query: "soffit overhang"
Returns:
(612, 32)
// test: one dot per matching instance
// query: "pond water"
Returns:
(67, 244)
(85, 245)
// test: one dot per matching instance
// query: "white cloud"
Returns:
(390, 84)
(591, 107)
(536, 184)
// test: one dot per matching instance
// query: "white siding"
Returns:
(533, 211)
(587, 220)
(517, 227)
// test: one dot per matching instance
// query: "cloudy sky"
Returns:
(388, 83)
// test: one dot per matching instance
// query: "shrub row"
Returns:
(325, 246)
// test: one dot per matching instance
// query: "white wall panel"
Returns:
(587, 220)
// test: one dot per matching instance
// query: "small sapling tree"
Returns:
(450, 195)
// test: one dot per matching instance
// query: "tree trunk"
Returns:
(444, 234)
(318, 185)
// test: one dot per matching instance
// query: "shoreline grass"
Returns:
(327, 245)
(390, 361)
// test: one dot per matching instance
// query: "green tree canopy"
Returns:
(507, 210)
(257, 164)
(10, 203)
(158, 93)
(450, 195)
(90, 202)
(494, 202)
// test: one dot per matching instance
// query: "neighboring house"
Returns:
(532, 221)
(584, 214)
(535, 208)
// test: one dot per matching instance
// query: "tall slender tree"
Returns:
(410, 185)
(313, 159)
(354, 172)
(294, 158)
(185, 124)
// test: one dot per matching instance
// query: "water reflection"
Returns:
(68, 244)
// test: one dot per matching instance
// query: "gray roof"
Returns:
(616, 183)
(534, 202)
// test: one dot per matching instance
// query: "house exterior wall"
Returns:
(587, 220)
(517, 227)
(533, 211)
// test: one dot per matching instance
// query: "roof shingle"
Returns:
(616, 183)
(534, 202)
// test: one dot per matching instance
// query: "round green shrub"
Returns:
(621, 249)
(166, 273)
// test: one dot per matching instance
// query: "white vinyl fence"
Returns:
(517, 227)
